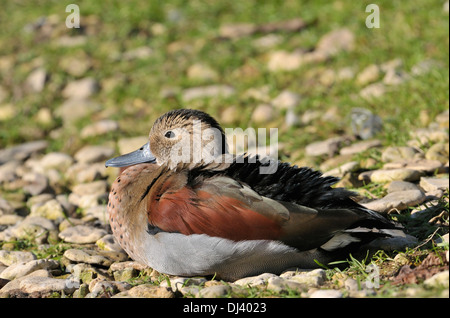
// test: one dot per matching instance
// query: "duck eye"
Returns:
(169, 134)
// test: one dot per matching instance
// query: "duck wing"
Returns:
(208, 200)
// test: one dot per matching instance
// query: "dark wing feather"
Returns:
(288, 183)
(302, 186)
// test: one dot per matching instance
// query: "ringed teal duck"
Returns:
(223, 217)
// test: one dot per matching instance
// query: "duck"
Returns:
(183, 205)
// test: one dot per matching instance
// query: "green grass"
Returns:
(412, 31)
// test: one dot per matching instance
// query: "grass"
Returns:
(189, 34)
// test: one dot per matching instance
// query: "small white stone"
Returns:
(433, 184)
(81, 89)
(24, 268)
(35, 82)
(286, 100)
(89, 154)
(438, 280)
(11, 257)
(397, 200)
(401, 174)
(255, 281)
(82, 234)
(326, 293)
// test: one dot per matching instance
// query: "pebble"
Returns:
(16, 270)
(56, 160)
(146, 291)
(397, 200)
(50, 209)
(335, 162)
(142, 52)
(286, 100)
(443, 119)
(36, 183)
(400, 174)
(284, 61)
(125, 274)
(360, 147)
(87, 273)
(11, 257)
(263, 113)
(313, 278)
(76, 65)
(45, 285)
(10, 219)
(255, 281)
(280, 285)
(99, 128)
(372, 91)
(118, 266)
(33, 228)
(438, 280)
(326, 147)
(85, 173)
(103, 288)
(87, 256)
(336, 41)
(8, 171)
(95, 188)
(7, 112)
(13, 284)
(210, 91)
(268, 41)
(422, 165)
(236, 30)
(309, 116)
(395, 77)
(291, 118)
(396, 186)
(22, 151)
(38, 286)
(80, 89)
(35, 82)
(351, 284)
(82, 234)
(202, 72)
(5, 207)
(91, 154)
(181, 283)
(74, 109)
(109, 243)
(214, 291)
(433, 184)
(398, 153)
(88, 200)
(343, 169)
(368, 75)
(430, 135)
(230, 115)
(439, 152)
(326, 293)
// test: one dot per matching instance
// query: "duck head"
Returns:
(182, 135)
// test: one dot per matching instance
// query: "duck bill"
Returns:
(142, 155)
